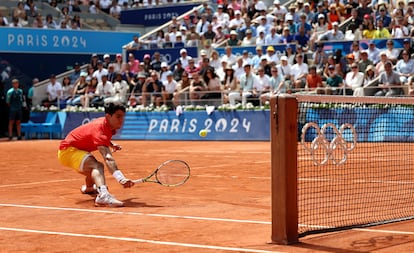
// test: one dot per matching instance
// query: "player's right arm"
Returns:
(113, 168)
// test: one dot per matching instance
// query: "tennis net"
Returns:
(355, 161)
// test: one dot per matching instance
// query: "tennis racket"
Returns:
(169, 173)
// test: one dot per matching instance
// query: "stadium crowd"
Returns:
(303, 66)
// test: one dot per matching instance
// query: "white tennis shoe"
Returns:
(89, 190)
(107, 200)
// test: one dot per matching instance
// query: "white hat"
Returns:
(233, 33)
(321, 16)
(183, 28)
(383, 53)
(276, 2)
(288, 17)
(334, 23)
(164, 64)
(284, 58)
(237, 12)
(203, 52)
(106, 56)
(183, 51)
(83, 73)
(260, 6)
(178, 34)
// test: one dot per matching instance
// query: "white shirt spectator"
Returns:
(54, 90)
(298, 70)
(106, 89)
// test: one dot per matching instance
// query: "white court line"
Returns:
(39, 182)
(134, 213)
(129, 239)
(188, 217)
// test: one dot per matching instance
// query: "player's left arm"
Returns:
(113, 167)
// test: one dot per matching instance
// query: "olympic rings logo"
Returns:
(322, 150)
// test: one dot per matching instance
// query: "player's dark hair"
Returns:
(111, 108)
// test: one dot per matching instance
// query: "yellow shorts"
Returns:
(73, 158)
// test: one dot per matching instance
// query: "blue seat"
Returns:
(51, 126)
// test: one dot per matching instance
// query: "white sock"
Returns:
(103, 189)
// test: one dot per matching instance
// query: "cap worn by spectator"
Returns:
(248, 31)
(147, 56)
(15, 81)
(406, 41)
(170, 73)
(237, 12)
(367, 16)
(76, 64)
(106, 56)
(119, 55)
(164, 64)
(335, 23)
(350, 56)
(276, 2)
(270, 48)
(321, 16)
(94, 55)
(183, 51)
(331, 67)
(246, 64)
(259, 48)
(383, 53)
(289, 17)
(364, 52)
(141, 75)
(203, 52)
(83, 74)
(284, 58)
(233, 33)
(99, 62)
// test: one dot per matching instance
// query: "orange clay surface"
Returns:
(224, 207)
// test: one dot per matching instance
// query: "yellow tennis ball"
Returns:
(203, 133)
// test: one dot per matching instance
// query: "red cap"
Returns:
(367, 16)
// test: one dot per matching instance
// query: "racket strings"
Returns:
(173, 173)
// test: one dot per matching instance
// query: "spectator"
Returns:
(213, 85)
(53, 91)
(314, 81)
(30, 9)
(136, 90)
(271, 55)
(19, 13)
(50, 23)
(333, 34)
(278, 10)
(260, 40)
(168, 88)
(197, 87)
(15, 102)
(301, 38)
(333, 16)
(15, 23)
(364, 62)
(78, 90)
(104, 89)
(248, 40)
(384, 17)
(156, 61)
(223, 17)
(353, 79)
(392, 52)
(370, 83)
(67, 90)
(369, 31)
(381, 32)
(135, 44)
(333, 82)
(319, 28)
(215, 60)
(117, 63)
(182, 90)
(94, 61)
(286, 36)
(373, 52)
(115, 10)
(248, 86)
(133, 63)
(120, 89)
(320, 57)
(230, 84)
(100, 71)
(152, 90)
(300, 71)
(272, 38)
(165, 69)
(3, 20)
(285, 69)
(405, 67)
(389, 82)
(276, 85)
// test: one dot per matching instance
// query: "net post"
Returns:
(283, 139)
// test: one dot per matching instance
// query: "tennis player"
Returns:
(75, 152)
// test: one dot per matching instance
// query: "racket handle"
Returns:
(138, 181)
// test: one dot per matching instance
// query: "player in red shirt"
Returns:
(75, 152)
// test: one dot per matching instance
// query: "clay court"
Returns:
(224, 207)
